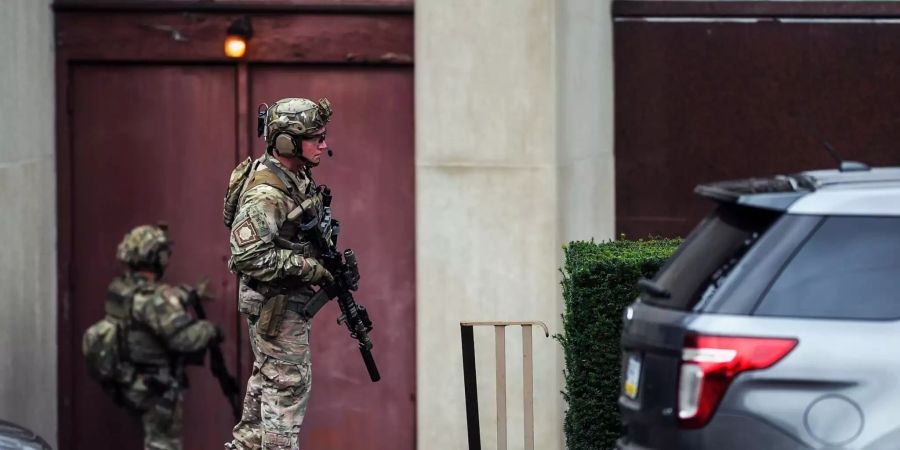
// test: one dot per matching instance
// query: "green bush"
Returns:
(599, 282)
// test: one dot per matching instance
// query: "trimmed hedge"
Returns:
(599, 281)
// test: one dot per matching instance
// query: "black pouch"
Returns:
(270, 316)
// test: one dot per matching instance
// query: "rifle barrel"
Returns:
(370, 364)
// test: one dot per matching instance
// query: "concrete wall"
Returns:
(513, 158)
(28, 218)
(586, 167)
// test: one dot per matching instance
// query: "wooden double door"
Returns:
(155, 140)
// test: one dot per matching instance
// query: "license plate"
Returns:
(632, 376)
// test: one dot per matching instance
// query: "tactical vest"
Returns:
(109, 344)
(290, 236)
(104, 343)
(255, 297)
(142, 346)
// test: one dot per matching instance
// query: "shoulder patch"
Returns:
(245, 233)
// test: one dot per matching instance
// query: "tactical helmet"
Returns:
(145, 246)
(292, 118)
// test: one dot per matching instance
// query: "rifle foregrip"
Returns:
(370, 364)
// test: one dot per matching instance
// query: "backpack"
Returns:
(105, 345)
(236, 183)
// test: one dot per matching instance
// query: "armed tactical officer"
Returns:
(278, 263)
(137, 351)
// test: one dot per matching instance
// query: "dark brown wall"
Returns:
(717, 90)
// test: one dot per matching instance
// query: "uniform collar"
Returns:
(296, 177)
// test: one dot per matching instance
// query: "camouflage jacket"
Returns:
(160, 323)
(267, 268)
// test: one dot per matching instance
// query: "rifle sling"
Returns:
(296, 247)
(279, 172)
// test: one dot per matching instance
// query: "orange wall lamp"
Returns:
(236, 37)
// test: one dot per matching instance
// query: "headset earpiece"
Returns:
(285, 144)
(261, 110)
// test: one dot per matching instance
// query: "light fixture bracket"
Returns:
(241, 27)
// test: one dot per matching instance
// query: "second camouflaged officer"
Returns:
(159, 332)
(278, 267)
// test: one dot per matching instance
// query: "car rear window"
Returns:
(705, 258)
(849, 268)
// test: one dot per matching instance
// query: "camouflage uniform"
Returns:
(274, 282)
(160, 330)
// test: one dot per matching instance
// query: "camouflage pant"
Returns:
(162, 428)
(161, 415)
(277, 392)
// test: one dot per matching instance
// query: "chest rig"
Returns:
(302, 233)
(140, 346)
(304, 224)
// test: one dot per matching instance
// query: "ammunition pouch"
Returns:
(271, 315)
(158, 381)
(267, 302)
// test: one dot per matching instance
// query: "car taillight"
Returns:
(710, 363)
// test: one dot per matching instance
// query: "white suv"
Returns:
(776, 324)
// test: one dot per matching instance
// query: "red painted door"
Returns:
(150, 130)
(372, 179)
(149, 143)
(157, 142)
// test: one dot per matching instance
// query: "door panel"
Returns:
(372, 179)
(150, 143)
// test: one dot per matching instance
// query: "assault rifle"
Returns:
(217, 366)
(345, 271)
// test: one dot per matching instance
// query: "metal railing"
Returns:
(468, 351)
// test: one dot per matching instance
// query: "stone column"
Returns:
(28, 274)
(513, 158)
(586, 164)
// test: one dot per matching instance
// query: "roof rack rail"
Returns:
(854, 166)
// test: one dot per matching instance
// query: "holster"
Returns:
(270, 316)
